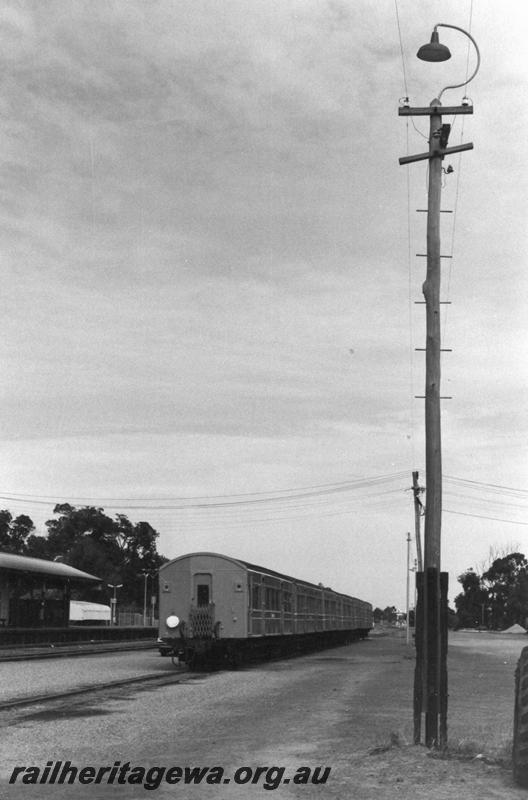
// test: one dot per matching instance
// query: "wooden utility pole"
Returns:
(433, 446)
(408, 637)
(417, 514)
(430, 690)
(431, 291)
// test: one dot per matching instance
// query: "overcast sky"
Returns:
(209, 277)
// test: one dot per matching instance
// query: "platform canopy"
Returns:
(56, 569)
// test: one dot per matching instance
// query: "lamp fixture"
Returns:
(433, 50)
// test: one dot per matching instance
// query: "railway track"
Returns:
(178, 676)
(67, 651)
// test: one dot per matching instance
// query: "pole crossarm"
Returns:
(424, 111)
(440, 153)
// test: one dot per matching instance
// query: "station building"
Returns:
(35, 593)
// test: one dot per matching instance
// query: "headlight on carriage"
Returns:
(173, 621)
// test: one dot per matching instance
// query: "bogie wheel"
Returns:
(520, 721)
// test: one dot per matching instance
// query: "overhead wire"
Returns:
(298, 492)
(316, 501)
(219, 501)
(497, 490)
(492, 487)
(506, 503)
(237, 517)
(350, 482)
(403, 66)
(322, 487)
(481, 516)
(409, 248)
(215, 516)
(457, 191)
(401, 47)
(404, 69)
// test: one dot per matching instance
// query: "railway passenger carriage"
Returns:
(219, 610)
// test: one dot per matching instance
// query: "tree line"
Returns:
(388, 614)
(498, 597)
(494, 598)
(113, 549)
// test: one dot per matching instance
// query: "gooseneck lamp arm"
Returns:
(458, 85)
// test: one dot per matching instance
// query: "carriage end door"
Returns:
(202, 589)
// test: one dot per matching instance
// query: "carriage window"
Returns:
(272, 598)
(202, 594)
(255, 596)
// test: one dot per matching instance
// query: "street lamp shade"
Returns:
(433, 50)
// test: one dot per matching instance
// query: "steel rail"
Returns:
(30, 652)
(39, 699)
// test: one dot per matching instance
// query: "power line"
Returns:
(457, 189)
(481, 516)
(409, 249)
(208, 522)
(401, 46)
(403, 66)
(217, 501)
(494, 487)
(300, 502)
(314, 491)
(506, 502)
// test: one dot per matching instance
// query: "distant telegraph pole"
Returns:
(430, 690)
